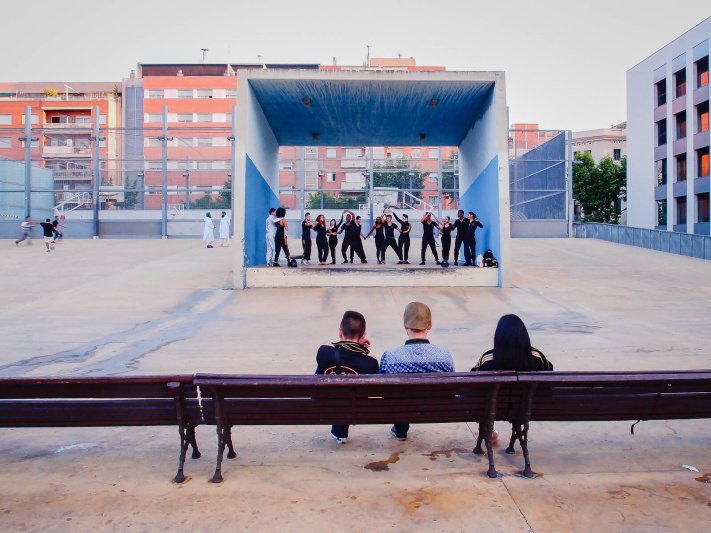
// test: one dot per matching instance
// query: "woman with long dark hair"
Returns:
(280, 237)
(321, 239)
(332, 233)
(379, 239)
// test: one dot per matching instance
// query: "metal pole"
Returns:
(233, 168)
(320, 180)
(570, 210)
(164, 189)
(439, 183)
(371, 185)
(302, 176)
(187, 182)
(97, 171)
(28, 160)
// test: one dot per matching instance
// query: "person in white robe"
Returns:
(209, 235)
(225, 230)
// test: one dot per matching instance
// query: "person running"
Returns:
(428, 227)
(390, 229)
(271, 232)
(357, 244)
(57, 234)
(447, 228)
(470, 242)
(321, 239)
(460, 225)
(280, 240)
(333, 233)
(209, 235)
(48, 229)
(379, 240)
(26, 230)
(403, 241)
(306, 226)
(225, 230)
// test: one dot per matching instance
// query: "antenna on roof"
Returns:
(204, 53)
(367, 58)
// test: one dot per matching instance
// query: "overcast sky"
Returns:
(565, 61)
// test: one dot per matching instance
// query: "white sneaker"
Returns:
(339, 440)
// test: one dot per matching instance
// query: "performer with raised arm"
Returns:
(280, 239)
(321, 239)
(428, 227)
(470, 242)
(332, 233)
(390, 230)
(460, 225)
(446, 228)
(357, 244)
(348, 227)
(403, 241)
(379, 240)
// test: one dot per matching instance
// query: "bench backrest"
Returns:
(106, 401)
(361, 399)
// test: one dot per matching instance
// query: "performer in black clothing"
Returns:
(379, 240)
(470, 242)
(332, 233)
(403, 241)
(306, 226)
(390, 230)
(357, 244)
(447, 228)
(428, 227)
(348, 230)
(321, 240)
(280, 237)
(347, 356)
(461, 226)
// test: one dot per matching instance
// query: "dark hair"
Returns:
(272, 210)
(472, 214)
(333, 221)
(358, 217)
(405, 217)
(512, 345)
(47, 220)
(353, 325)
(307, 214)
(281, 212)
(460, 211)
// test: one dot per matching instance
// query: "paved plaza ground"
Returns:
(109, 307)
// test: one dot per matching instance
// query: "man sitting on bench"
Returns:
(417, 355)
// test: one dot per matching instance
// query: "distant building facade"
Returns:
(668, 136)
(604, 142)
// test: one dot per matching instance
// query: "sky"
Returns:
(565, 61)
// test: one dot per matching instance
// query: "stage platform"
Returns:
(371, 275)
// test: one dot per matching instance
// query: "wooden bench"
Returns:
(104, 401)
(517, 398)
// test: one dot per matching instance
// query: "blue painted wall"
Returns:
(482, 197)
(259, 198)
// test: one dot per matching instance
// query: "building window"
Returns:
(204, 93)
(154, 117)
(702, 117)
(434, 153)
(702, 71)
(702, 163)
(702, 207)
(416, 153)
(231, 93)
(185, 117)
(617, 154)
(34, 119)
(155, 93)
(662, 172)
(681, 210)
(681, 167)
(185, 93)
(331, 177)
(434, 200)
(5, 120)
(102, 120)
(331, 153)
(680, 83)
(5, 142)
(204, 165)
(662, 132)
(152, 142)
(186, 141)
(204, 117)
(83, 121)
(433, 177)
(661, 213)
(680, 119)
(661, 89)
(204, 141)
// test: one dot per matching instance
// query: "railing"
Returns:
(66, 150)
(67, 125)
(73, 174)
(74, 201)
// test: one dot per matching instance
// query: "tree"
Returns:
(130, 199)
(223, 201)
(50, 91)
(331, 201)
(598, 188)
(398, 173)
(449, 167)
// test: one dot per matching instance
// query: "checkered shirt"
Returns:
(416, 357)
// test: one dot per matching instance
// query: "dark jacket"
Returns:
(354, 357)
(487, 362)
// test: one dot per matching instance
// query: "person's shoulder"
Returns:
(540, 360)
(485, 361)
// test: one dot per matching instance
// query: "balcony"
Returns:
(63, 151)
(82, 175)
(66, 127)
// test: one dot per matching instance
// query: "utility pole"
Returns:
(164, 189)
(27, 139)
(97, 169)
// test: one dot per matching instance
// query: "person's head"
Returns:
(389, 219)
(378, 221)
(48, 220)
(512, 345)
(333, 222)
(56, 217)
(417, 319)
(27, 219)
(272, 211)
(405, 218)
(348, 217)
(208, 215)
(307, 217)
(281, 212)
(352, 327)
(460, 213)
(471, 215)
(446, 219)
(224, 214)
(321, 220)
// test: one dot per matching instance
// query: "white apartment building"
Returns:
(602, 142)
(668, 136)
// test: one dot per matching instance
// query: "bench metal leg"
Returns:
(527, 472)
(180, 477)
(486, 429)
(515, 435)
(190, 435)
(231, 454)
(217, 477)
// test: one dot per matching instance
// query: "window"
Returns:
(702, 207)
(5, 120)
(702, 117)
(154, 117)
(5, 142)
(681, 210)
(680, 83)
(204, 93)
(661, 213)
(702, 71)
(434, 153)
(102, 120)
(434, 200)
(396, 152)
(204, 117)
(331, 177)
(102, 143)
(185, 117)
(204, 165)
(204, 141)
(661, 90)
(331, 153)
(231, 93)
(186, 141)
(33, 120)
(416, 153)
(286, 165)
(83, 121)
(228, 118)
(681, 167)
(185, 93)
(617, 154)
(433, 177)
(680, 119)
(662, 132)
(33, 144)
(155, 93)
(702, 162)
(154, 165)
(662, 172)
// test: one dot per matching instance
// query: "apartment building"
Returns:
(668, 136)
(603, 142)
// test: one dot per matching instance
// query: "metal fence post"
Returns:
(302, 179)
(97, 171)
(370, 195)
(439, 183)
(28, 160)
(570, 209)
(233, 169)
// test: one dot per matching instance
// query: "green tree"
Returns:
(223, 201)
(331, 201)
(598, 188)
(449, 166)
(130, 199)
(396, 173)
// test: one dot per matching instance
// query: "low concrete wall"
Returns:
(698, 246)
(539, 228)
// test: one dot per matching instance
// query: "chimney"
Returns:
(335, 64)
(133, 75)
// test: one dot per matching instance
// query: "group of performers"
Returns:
(384, 230)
